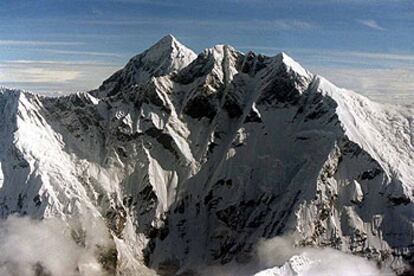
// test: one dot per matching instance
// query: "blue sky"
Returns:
(55, 46)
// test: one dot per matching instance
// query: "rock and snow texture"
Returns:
(323, 263)
(296, 266)
(190, 160)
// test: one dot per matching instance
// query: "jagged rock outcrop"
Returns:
(191, 159)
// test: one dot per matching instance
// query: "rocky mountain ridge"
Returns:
(190, 159)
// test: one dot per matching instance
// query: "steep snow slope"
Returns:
(190, 160)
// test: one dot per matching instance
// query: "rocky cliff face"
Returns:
(190, 160)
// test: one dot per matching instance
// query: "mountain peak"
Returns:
(168, 39)
(167, 43)
(292, 65)
(170, 52)
(165, 56)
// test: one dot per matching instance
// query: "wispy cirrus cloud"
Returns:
(38, 43)
(372, 24)
(288, 24)
(81, 53)
(276, 24)
(6, 63)
(380, 56)
(54, 77)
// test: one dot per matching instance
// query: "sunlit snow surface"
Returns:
(297, 265)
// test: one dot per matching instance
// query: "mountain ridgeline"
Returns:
(190, 160)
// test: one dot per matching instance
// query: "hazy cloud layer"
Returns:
(54, 77)
(37, 43)
(382, 85)
(30, 247)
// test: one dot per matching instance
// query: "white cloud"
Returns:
(371, 24)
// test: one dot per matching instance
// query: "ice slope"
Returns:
(190, 160)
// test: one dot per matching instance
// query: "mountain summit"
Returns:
(165, 56)
(190, 160)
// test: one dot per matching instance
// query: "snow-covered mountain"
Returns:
(190, 159)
